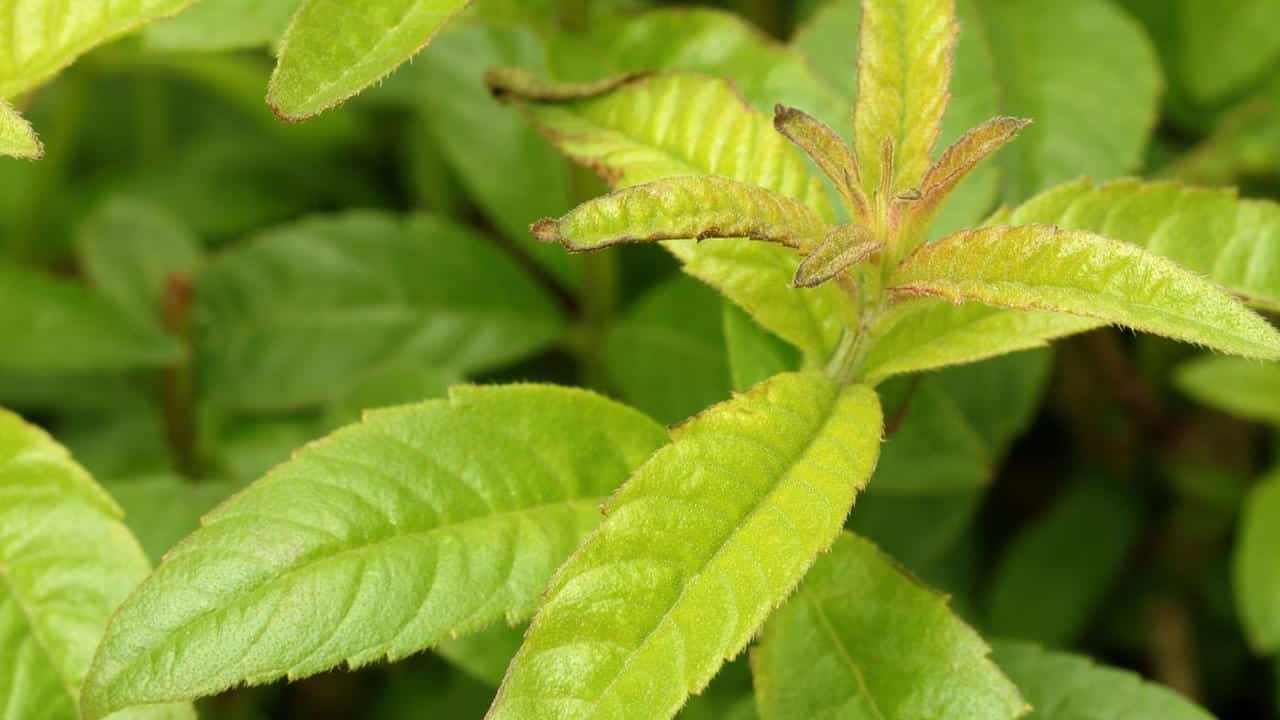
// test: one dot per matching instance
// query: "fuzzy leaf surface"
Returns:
(1256, 574)
(673, 125)
(66, 562)
(17, 139)
(1040, 267)
(904, 72)
(375, 543)
(747, 496)
(1246, 388)
(334, 49)
(1061, 686)
(51, 325)
(37, 39)
(305, 312)
(862, 639)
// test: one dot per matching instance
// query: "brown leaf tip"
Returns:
(547, 230)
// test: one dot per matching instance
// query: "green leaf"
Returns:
(50, 325)
(644, 129)
(861, 639)
(66, 563)
(755, 354)
(749, 493)
(666, 355)
(219, 25)
(333, 49)
(17, 139)
(1052, 577)
(829, 152)
(308, 311)
(1246, 388)
(131, 251)
(685, 207)
(1055, 63)
(1222, 49)
(1256, 573)
(1060, 686)
(1039, 267)
(38, 39)
(384, 539)
(904, 75)
(1233, 242)
(484, 655)
(843, 247)
(163, 509)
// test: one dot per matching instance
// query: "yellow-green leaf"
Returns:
(904, 73)
(334, 49)
(17, 139)
(747, 496)
(829, 151)
(844, 246)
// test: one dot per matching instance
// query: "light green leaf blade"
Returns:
(1052, 577)
(663, 126)
(17, 139)
(308, 310)
(755, 354)
(66, 562)
(1246, 388)
(904, 74)
(1060, 686)
(1256, 575)
(385, 539)
(1236, 243)
(51, 325)
(38, 39)
(747, 496)
(666, 355)
(333, 49)
(220, 25)
(861, 639)
(1040, 267)
(132, 250)
(1224, 47)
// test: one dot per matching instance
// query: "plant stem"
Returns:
(179, 384)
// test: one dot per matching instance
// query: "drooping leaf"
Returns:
(334, 49)
(749, 493)
(1234, 242)
(1040, 267)
(131, 251)
(662, 126)
(755, 354)
(1052, 576)
(38, 39)
(685, 207)
(219, 25)
(294, 318)
(17, 139)
(1256, 573)
(66, 562)
(1060, 686)
(384, 539)
(861, 639)
(1247, 388)
(666, 355)
(904, 74)
(51, 325)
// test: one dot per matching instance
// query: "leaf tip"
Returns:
(547, 230)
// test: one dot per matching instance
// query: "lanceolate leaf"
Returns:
(305, 312)
(1247, 388)
(904, 70)
(861, 639)
(829, 151)
(37, 39)
(844, 247)
(662, 126)
(746, 497)
(66, 563)
(685, 207)
(382, 540)
(1234, 242)
(1256, 573)
(17, 139)
(1039, 267)
(49, 325)
(334, 49)
(959, 160)
(1066, 687)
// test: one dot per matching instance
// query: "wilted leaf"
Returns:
(749, 493)
(384, 539)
